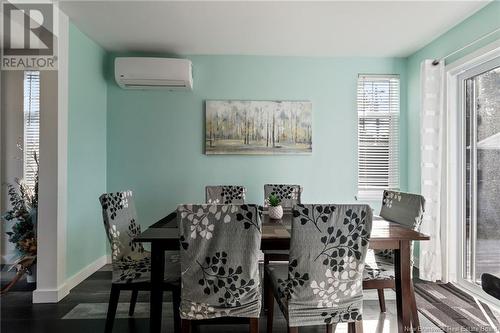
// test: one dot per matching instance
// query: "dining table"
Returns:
(164, 236)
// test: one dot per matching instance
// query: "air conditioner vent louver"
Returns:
(132, 85)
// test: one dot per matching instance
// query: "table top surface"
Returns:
(382, 230)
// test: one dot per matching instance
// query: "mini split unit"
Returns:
(153, 73)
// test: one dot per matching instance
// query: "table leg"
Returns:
(156, 296)
(403, 285)
(266, 262)
(415, 322)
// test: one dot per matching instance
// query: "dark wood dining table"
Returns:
(164, 236)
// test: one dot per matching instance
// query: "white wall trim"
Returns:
(55, 295)
(87, 271)
(459, 64)
(50, 295)
(62, 138)
(51, 234)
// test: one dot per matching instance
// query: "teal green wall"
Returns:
(155, 138)
(152, 141)
(479, 24)
(86, 151)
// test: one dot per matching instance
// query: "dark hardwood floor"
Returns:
(84, 310)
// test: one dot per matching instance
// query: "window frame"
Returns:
(392, 116)
(454, 230)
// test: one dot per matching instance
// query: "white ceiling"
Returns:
(348, 28)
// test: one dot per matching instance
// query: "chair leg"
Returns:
(133, 301)
(176, 303)
(186, 326)
(355, 327)
(329, 328)
(254, 325)
(112, 305)
(381, 300)
(270, 311)
(293, 329)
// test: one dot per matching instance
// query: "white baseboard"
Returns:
(50, 295)
(79, 277)
(55, 295)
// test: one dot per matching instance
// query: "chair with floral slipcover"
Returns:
(219, 263)
(322, 284)
(403, 208)
(289, 195)
(131, 263)
(225, 194)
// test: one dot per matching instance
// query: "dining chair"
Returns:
(131, 263)
(219, 264)
(322, 284)
(289, 195)
(225, 194)
(406, 209)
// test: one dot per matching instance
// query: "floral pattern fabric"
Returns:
(219, 261)
(323, 283)
(288, 194)
(225, 194)
(131, 263)
(404, 208)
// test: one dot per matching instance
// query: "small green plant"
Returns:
(274, 201)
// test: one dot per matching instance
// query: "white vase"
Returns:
(276, 213)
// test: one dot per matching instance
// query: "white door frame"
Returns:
(455, 167)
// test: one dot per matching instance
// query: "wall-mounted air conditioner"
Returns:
(153, 73)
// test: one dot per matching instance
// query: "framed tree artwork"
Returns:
(258, 127)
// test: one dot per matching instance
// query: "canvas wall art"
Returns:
(258, 127)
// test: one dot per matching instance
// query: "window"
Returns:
(31, 125)
(378, 132)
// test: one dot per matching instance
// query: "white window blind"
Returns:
(378, 133)
(31, 125)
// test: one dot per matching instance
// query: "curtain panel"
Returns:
(432, 149)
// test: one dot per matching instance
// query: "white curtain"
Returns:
(432, 136)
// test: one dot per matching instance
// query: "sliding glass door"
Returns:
(480, 99)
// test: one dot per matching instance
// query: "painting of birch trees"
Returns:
(258, 127)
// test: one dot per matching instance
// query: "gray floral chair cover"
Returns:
(219, 261)
(406, 209)
(131, 263)
(225, 194)
(288, 194)
(327, 254)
